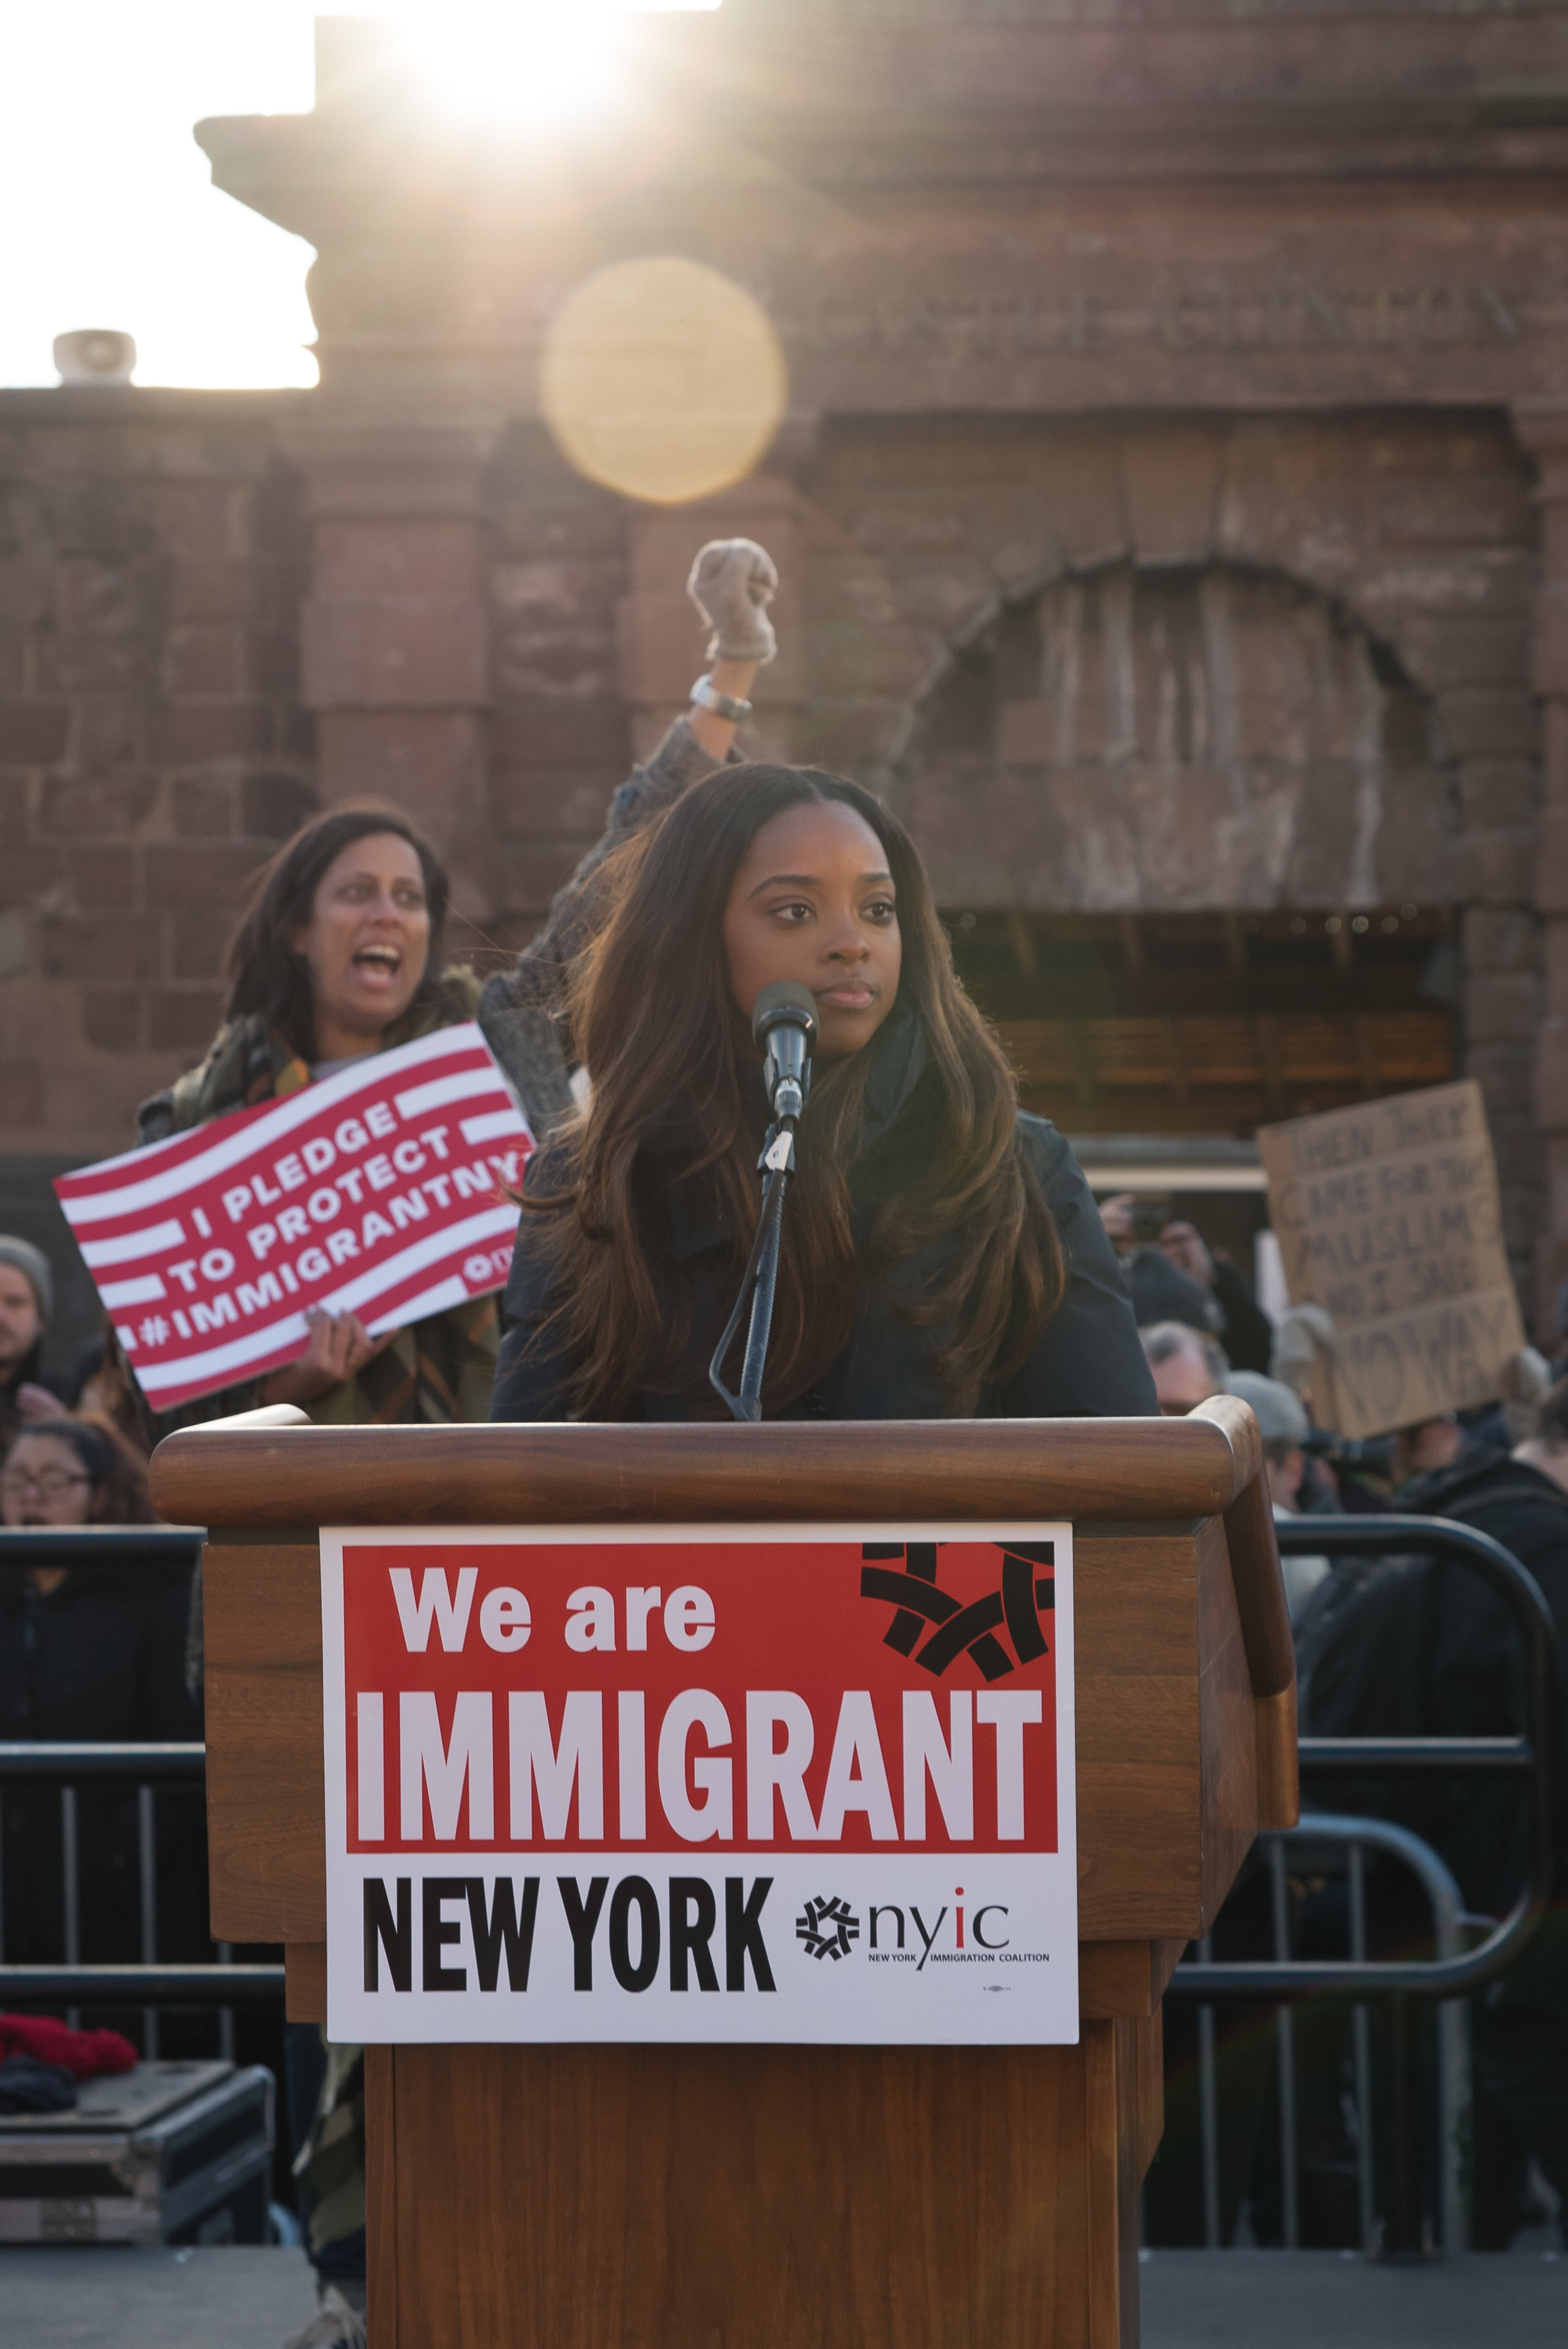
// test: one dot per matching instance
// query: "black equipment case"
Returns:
(168, 2153)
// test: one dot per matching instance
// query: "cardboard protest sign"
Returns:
(1388, 1216)
(764, 1784)
(379, 1192)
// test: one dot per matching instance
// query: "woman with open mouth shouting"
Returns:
(339, 954)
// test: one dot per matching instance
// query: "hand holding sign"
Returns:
(299, 1232)
(340, 1346)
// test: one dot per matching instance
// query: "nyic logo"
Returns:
(827, 1927)
(911, 1588)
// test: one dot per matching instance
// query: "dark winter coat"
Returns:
(1421, 1647)
(1086, 1363)
(102, 1656)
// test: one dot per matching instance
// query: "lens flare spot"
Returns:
(663, 379)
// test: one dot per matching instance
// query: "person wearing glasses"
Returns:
(96, 1651)
(67, 1470)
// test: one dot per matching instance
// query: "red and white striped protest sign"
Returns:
(379, 1192)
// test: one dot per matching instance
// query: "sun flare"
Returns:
(532, 61)
(97, 101)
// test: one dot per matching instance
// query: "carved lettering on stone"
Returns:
(1184, 318)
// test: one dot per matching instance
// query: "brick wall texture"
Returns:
(560, 739)
(1394, 557)
(152, 747)
(1330, 618)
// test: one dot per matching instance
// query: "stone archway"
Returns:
(1404, 547)
(1196, 832)
(1181, 737)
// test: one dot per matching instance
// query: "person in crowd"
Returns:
(27, 1302)
(1423, 1647)
(1179, 1278)
(339, 955)
(73, 1469)
(1282, 1423)
(1520, 2036)
(1425, 1449)
(1246, 1330)
(941, 1255)
(1188, 1366)
(92, 1650)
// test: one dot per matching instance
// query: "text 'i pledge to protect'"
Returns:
(387, 1190)
(384, 1193)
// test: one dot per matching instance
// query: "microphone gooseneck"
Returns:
(784, 1028)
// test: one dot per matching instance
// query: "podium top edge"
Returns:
(271, 1470)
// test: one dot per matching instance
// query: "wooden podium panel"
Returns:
(774, 2182)
(854, 2197)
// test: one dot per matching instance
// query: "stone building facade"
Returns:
(1172, 507)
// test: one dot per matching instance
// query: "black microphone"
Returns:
(784, 1030)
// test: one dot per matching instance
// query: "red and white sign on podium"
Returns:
(700, 1784)
(381, 1191)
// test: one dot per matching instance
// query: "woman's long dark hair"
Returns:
(266, 973)
(656, 1025)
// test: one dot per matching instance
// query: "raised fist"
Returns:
(732, 583)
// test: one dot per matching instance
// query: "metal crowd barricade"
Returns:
(1449, 1979)
(1355, 1836)
(1455, 1972)
(149, 1985)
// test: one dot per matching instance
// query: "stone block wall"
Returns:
(152, 747)
(165, 556)
(560, 739)
(1420, 529)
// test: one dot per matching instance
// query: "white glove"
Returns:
(732, 583)
(1304, 1331)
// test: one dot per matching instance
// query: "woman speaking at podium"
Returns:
(941, 1252)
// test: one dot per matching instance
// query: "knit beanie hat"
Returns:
(1161, 1291)
(1279, 1411)
(34, 1266)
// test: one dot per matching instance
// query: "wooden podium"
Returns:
(765, 2197)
